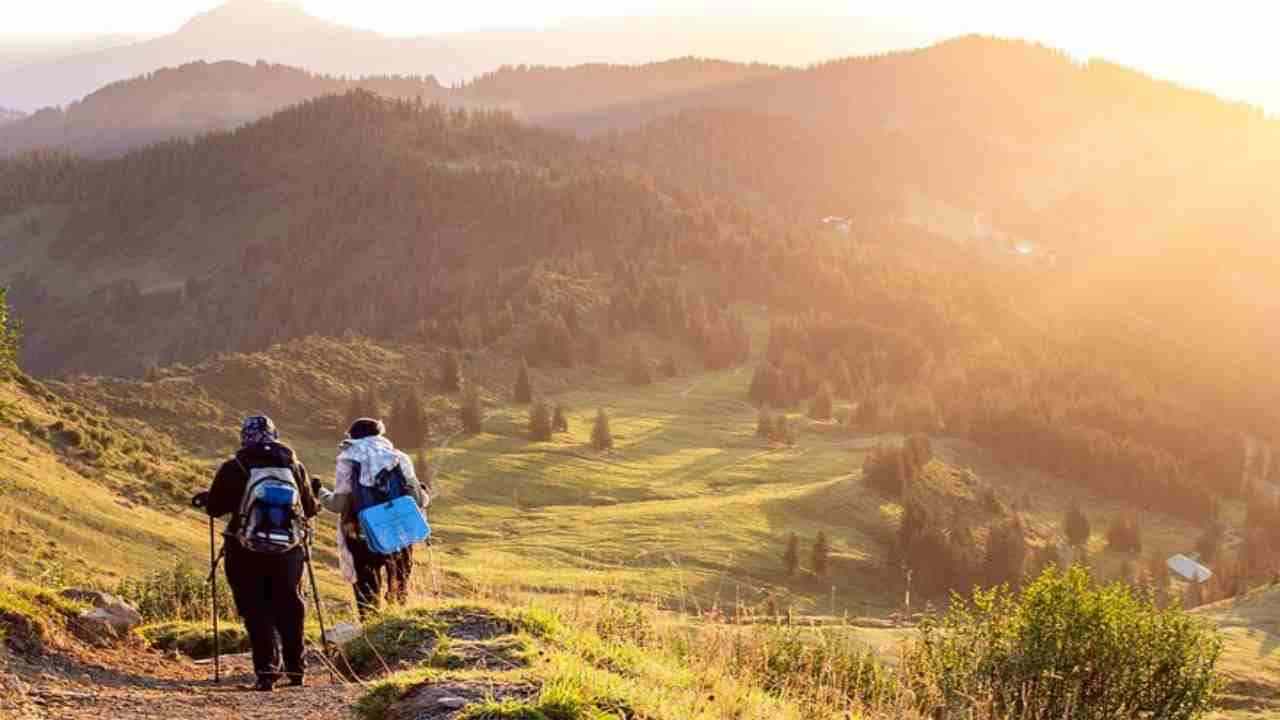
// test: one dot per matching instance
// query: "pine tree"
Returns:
(560, 422)
(638, 370)
(669, 368)
(451, 373)
(820, 408)
(601, 436)
(425, 471)
(540, 422)
(524, 388)
(469, 412)
(1076, 526)
(821, 554)
(764, 425)
(791, 558)
(1006, 553)
(355, 408)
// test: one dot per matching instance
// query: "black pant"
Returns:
(399, 570)
(368, 587)
(268, 599)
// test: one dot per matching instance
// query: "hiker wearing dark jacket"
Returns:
(265, 586)
(362, 455)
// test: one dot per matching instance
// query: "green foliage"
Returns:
(523, 394)
(179, 593)
(639, 370)
(195, 640)
(821, 554)
(391, 638)
(601, 435)
(1125, 535)
(1076, 526)
(1064, 647)
(451, 373)
(9, 336)
(791, 558)
(470, 413)
(1006, 557)
(821, 406)
(540, 422)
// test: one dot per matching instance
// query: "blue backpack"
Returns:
(389, 519)
(271, 518)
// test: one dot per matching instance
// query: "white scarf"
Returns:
(375, 454)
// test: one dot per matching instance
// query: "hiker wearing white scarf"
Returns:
(368, 449)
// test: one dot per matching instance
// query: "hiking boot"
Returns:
(295, 681)
(265, 684)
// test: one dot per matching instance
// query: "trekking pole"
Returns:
(201, 502)
(315, 594)
(213, 590)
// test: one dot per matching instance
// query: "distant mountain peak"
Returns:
(241, 13)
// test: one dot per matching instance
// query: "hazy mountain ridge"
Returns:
(7, 116)
(252, 30)
(201, 97)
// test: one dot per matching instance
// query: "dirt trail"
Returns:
(131, 684)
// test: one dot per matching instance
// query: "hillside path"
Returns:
(141, 685)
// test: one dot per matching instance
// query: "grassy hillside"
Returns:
(92, 499)
(689, 508)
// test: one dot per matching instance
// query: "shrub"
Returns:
(195, 640)
(1064, 647)
(180, 593)
(601, 435)
(540, 424)
(9, 336)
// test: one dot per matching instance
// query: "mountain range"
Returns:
(281, 33)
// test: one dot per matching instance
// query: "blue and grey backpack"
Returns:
(271, 517)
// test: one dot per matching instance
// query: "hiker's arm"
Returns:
(309, 507)
(413, 486)
(224, 494)
(338, 502)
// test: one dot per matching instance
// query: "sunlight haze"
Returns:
(1222, 47)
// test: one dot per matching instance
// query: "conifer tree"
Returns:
(524, 388)
(791, 558)
(9, 335)
(469, 412)
(601, 436)
(1076, 526)
(451, 372)
(820, 408)
(540, 422)
(764, 425)
(1006, 552)
(638, 370)
(821, 554)
(560, 422)
(669, 368)
(425, 471)
(355, 408)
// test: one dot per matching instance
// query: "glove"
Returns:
(201, 500)
(316, 487)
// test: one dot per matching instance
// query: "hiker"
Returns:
(363, 457)
(265, 490)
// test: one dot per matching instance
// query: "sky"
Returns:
(1227, 46)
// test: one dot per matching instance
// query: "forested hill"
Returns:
(185, 101)
(200, 97)
(348, 213)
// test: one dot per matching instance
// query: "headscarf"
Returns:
(258, 430)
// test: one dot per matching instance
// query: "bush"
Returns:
(195, 640)
(9, 335)
(1065, 648)
(180, 593)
